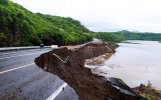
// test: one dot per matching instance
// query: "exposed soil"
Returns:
(68, 64)
(98, 60)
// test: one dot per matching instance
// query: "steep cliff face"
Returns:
(68, 64)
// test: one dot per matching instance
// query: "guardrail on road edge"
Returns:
(21, 48)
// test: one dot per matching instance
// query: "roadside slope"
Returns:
(68, 64)
(18, 26)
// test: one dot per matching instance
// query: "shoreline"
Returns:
(98, 60)
(147, 91)
(88, 85)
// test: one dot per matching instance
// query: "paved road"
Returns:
(21, 79)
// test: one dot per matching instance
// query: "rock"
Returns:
(68, 64)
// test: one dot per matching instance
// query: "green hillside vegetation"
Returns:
(139, 36)
(110, 37)
(148, 91)
(116, 37)
(18, 27)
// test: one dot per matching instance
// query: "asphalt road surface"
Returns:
(21, 79)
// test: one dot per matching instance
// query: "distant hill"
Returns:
(115, 37)
(127, 35)
(18, 27)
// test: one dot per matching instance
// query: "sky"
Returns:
(103, 15)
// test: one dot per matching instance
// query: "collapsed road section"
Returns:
(68, 64)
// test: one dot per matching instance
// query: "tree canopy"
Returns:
(114, 37)
(18, 26)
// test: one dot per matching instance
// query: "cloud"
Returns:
(103, 15)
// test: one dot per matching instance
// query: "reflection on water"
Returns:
(136, 63)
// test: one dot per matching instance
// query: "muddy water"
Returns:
(135, 62)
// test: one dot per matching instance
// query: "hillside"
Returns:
(115, 37)
(139, 35)
(20, 27)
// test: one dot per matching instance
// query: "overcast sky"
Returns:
(104, 15)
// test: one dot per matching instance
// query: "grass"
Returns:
(149, 92)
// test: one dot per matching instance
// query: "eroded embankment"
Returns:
(68, 64)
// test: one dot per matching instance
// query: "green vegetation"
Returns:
(139, 36)
(114, 37)
(18, 26)
(109, 37)
(148, 92)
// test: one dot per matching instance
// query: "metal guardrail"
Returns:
(21, 48)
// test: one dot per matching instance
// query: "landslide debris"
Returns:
(68, 64)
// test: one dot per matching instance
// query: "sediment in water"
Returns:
(68, 64)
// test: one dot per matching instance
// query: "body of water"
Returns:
(135, 62)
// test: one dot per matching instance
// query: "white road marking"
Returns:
(22, 55)
(53, 95)
(16, 68)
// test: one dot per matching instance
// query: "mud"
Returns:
(68, 64)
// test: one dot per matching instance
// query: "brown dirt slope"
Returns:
(68, 64)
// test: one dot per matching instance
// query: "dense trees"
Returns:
(18, 26)
(139, 36)
(109, 37)
(114, 37)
